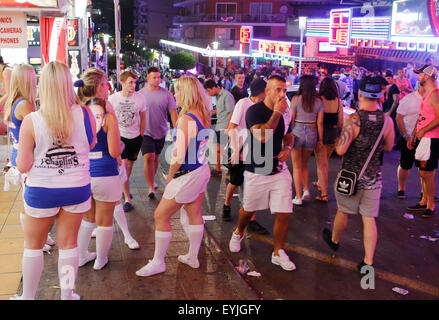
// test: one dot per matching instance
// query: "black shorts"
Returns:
(237, 174)
(407, 156)
(132, 148)
(430, 164)
(150, 145)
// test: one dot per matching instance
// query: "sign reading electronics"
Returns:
(340, 28)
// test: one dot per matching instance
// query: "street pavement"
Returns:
(402, 258)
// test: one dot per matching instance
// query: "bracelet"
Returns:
(278, 111)
(288, 147)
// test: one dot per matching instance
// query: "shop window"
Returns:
(225, 10)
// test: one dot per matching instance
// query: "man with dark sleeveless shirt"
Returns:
(360, 132)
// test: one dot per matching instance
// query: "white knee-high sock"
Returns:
(121, 219)
(162, 239)
(84, 236)
(195, 238)
(68, 261)
(104, 237)
(22, 220)
(33, 262)
(184, 220)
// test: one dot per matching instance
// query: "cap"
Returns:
(389, 73)
(428, 70)
(257, 87)
(370, 87)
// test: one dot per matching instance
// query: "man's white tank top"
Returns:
(60, 173)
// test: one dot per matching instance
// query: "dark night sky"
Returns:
(107, 15)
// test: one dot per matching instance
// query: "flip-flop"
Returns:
(322, 198)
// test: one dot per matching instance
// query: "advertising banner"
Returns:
(53, 39)
(73, 32)
(13, 30)
(29, 3)
(75, 63)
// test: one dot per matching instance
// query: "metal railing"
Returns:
(238, 18)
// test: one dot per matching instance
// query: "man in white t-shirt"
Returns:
(237, 131)
(406, 119)
(130, 109)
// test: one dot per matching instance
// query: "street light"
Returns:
(215, 47)
(302, 27)
(106, 42)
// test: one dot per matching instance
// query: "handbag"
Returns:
(346, 181)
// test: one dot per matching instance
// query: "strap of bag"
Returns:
(373, 149)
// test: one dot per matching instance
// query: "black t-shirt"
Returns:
(238, 93)
(259, 160)
(389, 102)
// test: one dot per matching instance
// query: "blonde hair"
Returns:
(92, 78)
(23, 83)
(3, 67)
(57, 97)
(192, 96)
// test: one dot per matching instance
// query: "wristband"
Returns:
(405, 135)
(278, 111)
(288, 147)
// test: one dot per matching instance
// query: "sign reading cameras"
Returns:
(13, 30)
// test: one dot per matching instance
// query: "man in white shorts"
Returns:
(267, 180)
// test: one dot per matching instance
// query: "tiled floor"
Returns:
(11, 234)
(11, 241)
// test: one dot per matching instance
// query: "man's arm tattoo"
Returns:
(348, 130)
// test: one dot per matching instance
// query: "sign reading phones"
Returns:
(340, 28)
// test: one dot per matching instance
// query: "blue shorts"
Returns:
(305, 136)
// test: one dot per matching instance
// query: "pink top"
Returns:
(404, 82)
(427, 115)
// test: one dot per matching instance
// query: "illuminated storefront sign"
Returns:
(340, 28)
(277, 48)
(72, 32)
(33, 36)
(245, 37)
(75, 63)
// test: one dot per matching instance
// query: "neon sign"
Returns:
(340, 28)
(245, 39)
(404, 46)
(278, 48)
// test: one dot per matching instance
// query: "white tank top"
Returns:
(60, 166)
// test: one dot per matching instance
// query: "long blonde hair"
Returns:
(192, 96)
(24, 84)
(57, 97)
(92, 78)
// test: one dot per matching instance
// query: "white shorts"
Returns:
(106, 189)
(268, 192)
(51, 212)
(187, 188)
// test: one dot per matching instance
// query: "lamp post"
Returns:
(106, 42)
(302, 27)
(215, 47)
(117, 34)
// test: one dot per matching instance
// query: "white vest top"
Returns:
(62, 165)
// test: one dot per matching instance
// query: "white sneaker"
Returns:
(190, 261)
(151, 269)
(50, 241)
(283, 260)
(89, 256)
(297, 201)
(235, 242)
(132, 244)
(47, 248)
(16, 297)
(306, 195)
(100, 264)
(93, 234)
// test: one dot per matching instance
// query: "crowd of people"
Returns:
(75, 152)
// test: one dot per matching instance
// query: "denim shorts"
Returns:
(304, 136)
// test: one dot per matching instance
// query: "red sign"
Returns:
(279, 48)
(29, 3)
(245, 35)
(433, 9)
(377, 44)
(53, 33)
(340, 28)
(72, 32)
